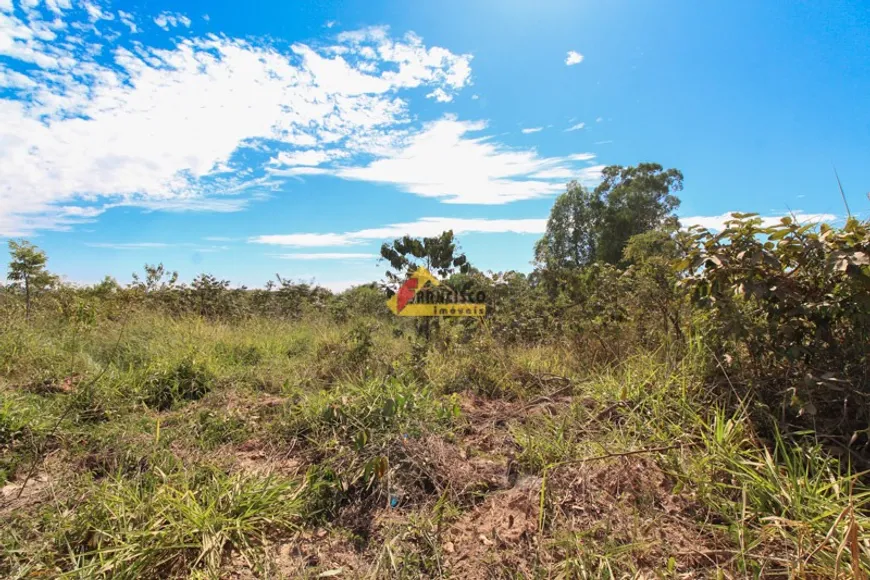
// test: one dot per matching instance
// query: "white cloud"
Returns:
(192, 125)
(128, 246)
(128, 20)
(717, 222)
(327, 256)
(165, 20)
(442, 161)
(475, 97)
(573, 58)
(6, 6)
(424, 227)
(576, 127)
(440, 96)
(100, 123)
(532, 130)
(96, 13)
(599, 119)
(307, 157)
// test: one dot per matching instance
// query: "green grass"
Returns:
(137, 432)
(158, 524)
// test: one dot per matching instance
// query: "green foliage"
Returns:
(27, 270)
(588, 226)
(189, 380)
(790, 305)
(155, 524)
(360, 301)
(702, 389)
(211, 428)
(239, 354)
(438, 254)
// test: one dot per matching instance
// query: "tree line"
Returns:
(781, 312)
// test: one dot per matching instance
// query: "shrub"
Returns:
(789, 305)
(187, 381)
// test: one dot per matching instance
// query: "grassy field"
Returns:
(158, 447)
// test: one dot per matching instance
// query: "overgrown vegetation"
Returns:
(648, 402)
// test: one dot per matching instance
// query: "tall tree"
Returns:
(636, 200)
(27, 270)
(588, 226)
(439, 254)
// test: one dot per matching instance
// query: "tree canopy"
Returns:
(589, 226)
(27, 269)
(439, 254)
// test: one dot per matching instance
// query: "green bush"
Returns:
(187, 381)
(787, 309)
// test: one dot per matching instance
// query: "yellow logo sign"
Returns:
(413, 300)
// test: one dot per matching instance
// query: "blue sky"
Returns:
(248, 139)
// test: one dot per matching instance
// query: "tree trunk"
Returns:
(26, 298)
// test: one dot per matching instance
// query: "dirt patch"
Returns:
(445, 466)
(260, 458)
(631, 501)
(499, 533)
(51, 479)
(52, 386)
(488, 420)
(13, 498)
(311, 554)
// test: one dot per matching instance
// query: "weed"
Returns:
(186, 381)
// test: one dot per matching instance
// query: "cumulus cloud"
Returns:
(717, 222)
(128, 20)
(424, 227)
(528, 130)
(91, 119)
(87, 120)
(165, 20)
(443, 161)
(573, 58)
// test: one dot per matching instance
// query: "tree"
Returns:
(588, 226)
(438, 254)
(27, 270)
(570, 240)
(636, 200)
(157, 278)
(210, 295)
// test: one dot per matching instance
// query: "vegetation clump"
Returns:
(186, 381)
(648, 401)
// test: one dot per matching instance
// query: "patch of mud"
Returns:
(499, 533)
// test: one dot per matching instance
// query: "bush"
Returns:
(187, 381)
(789, 306)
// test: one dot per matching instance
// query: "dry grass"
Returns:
(156, 448)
